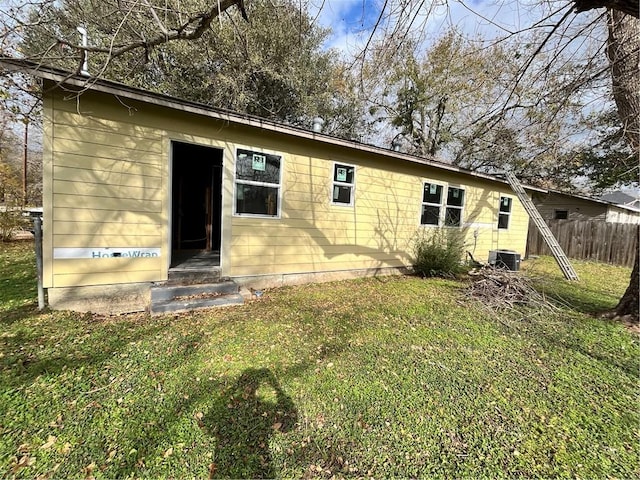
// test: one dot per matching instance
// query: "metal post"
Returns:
(37, 223)
(24, 162)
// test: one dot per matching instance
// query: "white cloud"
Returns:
(352, 21)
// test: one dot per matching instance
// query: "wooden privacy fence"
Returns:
(589, 240)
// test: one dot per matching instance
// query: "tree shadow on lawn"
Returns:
(578, 297)
(23, 360)
(564, 333)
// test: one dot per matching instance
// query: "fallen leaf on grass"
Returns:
(57, 422)
(199, 416)
(23, 448)
(168, 452)
(49, 443)
(276, 426)
(24, 461)
(88, 471)
(212, 470)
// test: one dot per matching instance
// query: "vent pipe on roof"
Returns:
(396, 144)
(318, 122)
(85, 55)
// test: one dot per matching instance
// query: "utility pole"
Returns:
(24, 161)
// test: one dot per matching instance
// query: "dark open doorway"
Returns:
(196, 192)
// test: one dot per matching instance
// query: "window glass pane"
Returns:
(561, 214)
(257, 167)
(341, 194)
(505, 204)
(503, 221)
(432, 193)
(455, 197)
(453, 217)
(430, 215)
(257, 200)
(343, 173)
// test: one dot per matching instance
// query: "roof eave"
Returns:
(114, 88)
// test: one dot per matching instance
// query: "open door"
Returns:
(196, 192)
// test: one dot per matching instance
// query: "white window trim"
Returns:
(461, 208)
(508, 214)
(343, 184)
(253, 182)
(439, 205)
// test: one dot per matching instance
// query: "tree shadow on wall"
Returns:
(249, 413)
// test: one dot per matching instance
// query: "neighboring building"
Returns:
(563, 206)
(133, 180)
(620, 198)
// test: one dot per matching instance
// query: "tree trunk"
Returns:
(623, 50)
(629, 303)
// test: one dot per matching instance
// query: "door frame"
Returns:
(171, 170)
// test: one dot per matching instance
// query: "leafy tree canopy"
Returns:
(271, 65)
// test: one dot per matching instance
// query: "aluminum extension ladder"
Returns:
(563, 262)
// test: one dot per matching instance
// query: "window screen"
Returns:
(504, 212)
(455, 202)
(343, 184)
(257, 183)
(431, 204)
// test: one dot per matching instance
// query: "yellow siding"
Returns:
(376, 232)
(107, 184)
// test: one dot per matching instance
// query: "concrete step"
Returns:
(192, 276)
(180, 298)
(189, 305)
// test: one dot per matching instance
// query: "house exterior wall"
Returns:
(107, 185)
(577, 208)
(377, 232)
(582, 209)
(621, 215)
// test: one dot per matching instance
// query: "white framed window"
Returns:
(257, 183)
(455, 204)
(431, 204)
(504, 213)
(343, 184)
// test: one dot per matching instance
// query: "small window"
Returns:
(431, 204)
(504, 213)
(455, 202)
(343, 184)
(561, 214)
(257, 183)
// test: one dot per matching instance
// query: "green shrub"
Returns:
(438, 252)
(10, 221)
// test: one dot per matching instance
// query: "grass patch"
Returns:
(600, 286)
(18, 281)
(375, 377)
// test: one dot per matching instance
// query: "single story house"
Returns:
(135, 181)
(554, 205)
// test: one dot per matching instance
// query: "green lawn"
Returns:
(368, 378)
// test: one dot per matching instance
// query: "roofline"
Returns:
(596, 200)
(115, 88)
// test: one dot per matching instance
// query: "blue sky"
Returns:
(349, 20)
(352, 21)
